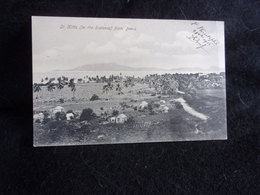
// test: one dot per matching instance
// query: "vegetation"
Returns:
(115, 112)
(95, 120)
(87, 115)
(94, 97)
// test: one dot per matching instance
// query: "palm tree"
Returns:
(36, 89)
(50, 88)
(72, 86)
(119, 88)
(60, 84)
(108, 87)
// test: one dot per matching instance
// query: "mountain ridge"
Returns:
(117, 67)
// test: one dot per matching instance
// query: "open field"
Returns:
(176, 125)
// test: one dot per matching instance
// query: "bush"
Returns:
(94, 97)
(70, 111)
(60, 116)
(135, 108)
(87, 115)
(150, 108)
(56, 125)
(188, 97)
(115, 113)
(123, 104)
(178, 105)
(130, 120)
(37, 121)
(61, 100)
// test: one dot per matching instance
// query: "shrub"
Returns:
(37, 121)
(150, 108)
(115, 113)
(70, 111)
(94, 97)
(178, 105)
(60, 116)
(130, 120)
(56, 125)
(87, 115)
(156, 105)
(188, 97)
(61, 100)
(123, 104)
(135, 108)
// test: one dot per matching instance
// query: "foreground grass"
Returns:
(177, 125)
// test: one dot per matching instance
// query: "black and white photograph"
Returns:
(109, 81)
(129, 97)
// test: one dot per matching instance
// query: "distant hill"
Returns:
(117, 67)
(112, 67)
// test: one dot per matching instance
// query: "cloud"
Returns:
(94, 48)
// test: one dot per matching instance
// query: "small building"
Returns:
(38, 117)
(162, 102)
(112, 119)
(121, 118)
(58, 109)
(69, 116)
(143, 105)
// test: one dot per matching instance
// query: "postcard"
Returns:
(111, 81)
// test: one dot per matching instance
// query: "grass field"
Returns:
(176, 125)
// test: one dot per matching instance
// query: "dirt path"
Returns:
(190, 110)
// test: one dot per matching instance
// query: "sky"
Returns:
(62, 43)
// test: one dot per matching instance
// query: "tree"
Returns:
(94, 97)
(119, 88)
(50, 87)
(108, 87)
(36, 89)
(87, 115)
(115, 112)
(60, 84)
(72, 86)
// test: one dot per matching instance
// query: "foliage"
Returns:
(130, 120)
(178, 105)
(60, 116)
(70, 111)
(87, 115)
(51, 86)
(150, 108)
(56, 125)
(115, 113)
(94, 97)
(61, 100)
(36, 87)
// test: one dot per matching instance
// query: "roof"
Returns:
(121, 116)
(58, 108)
